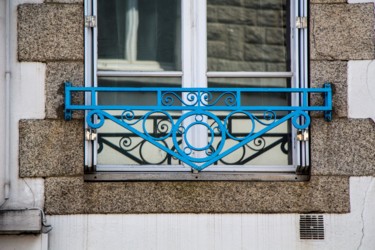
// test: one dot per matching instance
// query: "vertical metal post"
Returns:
(89, 77)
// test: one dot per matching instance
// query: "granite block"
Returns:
(343, 147)
(71, 195)
(334, 72)
(50, 32)
(50, 148)
(57, 74)
(342, 31)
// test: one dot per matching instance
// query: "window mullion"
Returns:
(200, 137)
(186, 42)
(200, 44)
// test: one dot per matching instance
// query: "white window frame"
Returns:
(194, 45)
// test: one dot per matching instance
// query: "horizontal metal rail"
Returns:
(199, 98)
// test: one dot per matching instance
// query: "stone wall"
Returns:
(52, 32)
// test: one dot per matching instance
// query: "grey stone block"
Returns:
(74, 196)
(264, 4)
(270, 18)
(65, 195)
(342, 31)
(275, 36)
(57, 74)
(255, 35)
(276, 67)
(50, 148)
(217, 50)
(232, 48)
(50, 32)
(328, 1)
(211, 14)
(63, 1)
(228, 65)
(230, 14)
(343, 147)
(265, 53)
(225, 2)
(216, 32)
(334, 72)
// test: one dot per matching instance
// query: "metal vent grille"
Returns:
(311, 227)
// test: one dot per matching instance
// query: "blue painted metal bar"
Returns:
(195, 103)
(199, 105)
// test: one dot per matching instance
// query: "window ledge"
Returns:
(202, 176)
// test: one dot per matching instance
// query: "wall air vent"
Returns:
(311, 227)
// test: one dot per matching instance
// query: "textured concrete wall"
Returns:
(342, 31)
(343, 147)
(339, 33)
(50, 32)
(73, 196)
(57, 73)
(53, 148)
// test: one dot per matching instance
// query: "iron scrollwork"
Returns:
(135, 150)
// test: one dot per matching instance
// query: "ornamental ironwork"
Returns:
(135, 149)
(212, 109)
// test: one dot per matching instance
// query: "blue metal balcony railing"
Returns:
(198, 107)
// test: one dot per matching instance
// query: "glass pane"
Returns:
(269, 149)
(272, 148)
(139, 35)
(260, 98)
(133, 98)
(120, 146)
(248, 35)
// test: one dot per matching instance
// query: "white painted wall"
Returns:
(27, 102)
(361, 89)
(2, 100)
(23, 242)
(219, 231)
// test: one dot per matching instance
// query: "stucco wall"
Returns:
(339, 32)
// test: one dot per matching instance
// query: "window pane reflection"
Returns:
(248, 35)
(120, 146)
(272, 148)
(133, 98)
(139, 35)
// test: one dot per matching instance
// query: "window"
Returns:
(196, 44)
